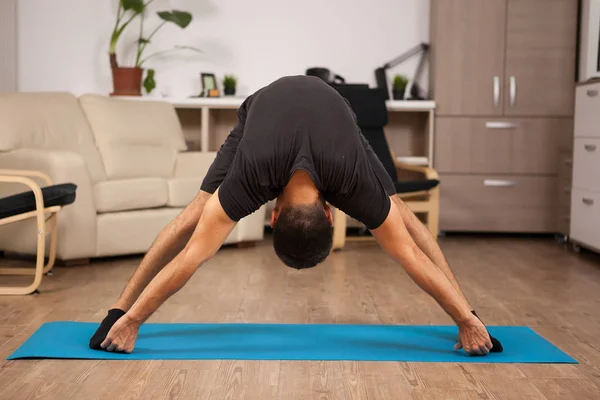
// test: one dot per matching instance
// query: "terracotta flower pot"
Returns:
(127, 81)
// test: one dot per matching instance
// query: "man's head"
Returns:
(302, 233)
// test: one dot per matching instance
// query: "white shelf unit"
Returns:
(585, 193)
(206, 105)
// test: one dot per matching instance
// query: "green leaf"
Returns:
(179, 18)
(149, 82)
(136, 5)
(143, 41)
(229, 81)
(400, 82)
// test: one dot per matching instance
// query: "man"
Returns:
(296, 141)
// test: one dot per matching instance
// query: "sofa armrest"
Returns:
(193, 164)
(58, 166)
(77, 223)
(29, 173)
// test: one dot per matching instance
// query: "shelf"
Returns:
(410, 105)
(234, 102)
(210, 105)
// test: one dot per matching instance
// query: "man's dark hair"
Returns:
(302, 235)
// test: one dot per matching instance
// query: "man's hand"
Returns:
(107, 323)
(122, 335)
(473, 337)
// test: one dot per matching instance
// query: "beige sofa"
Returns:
(128, 159)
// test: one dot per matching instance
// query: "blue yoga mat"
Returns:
(243, 341)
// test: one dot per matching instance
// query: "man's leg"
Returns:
(427, 243)
(169, 242)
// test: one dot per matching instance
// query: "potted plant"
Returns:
(127, 81)
(229, 84)
(398, 86)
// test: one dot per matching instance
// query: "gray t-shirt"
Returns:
(299, 122)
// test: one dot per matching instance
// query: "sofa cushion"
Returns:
(193, 164)
(130, 194)
(131, 232)
(53, 121)
(182, 191)
(136, 138)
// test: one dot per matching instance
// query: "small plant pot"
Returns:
(229, 91)
(127, 81)
(398, 94)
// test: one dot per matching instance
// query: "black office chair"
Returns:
(421, 196)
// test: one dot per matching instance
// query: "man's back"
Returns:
(301, 123)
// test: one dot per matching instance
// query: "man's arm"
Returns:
(169, 242)
(394, 238)
(212, 230)
(177, 233)
(396, 241)
(421, 235)
(427, 243)
(172, 239)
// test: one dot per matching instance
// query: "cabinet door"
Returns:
(587, 104)
(585, 218)
(497, 203)
(541, 37)
(468, 146)
(468, 38)
(499, 145)
(8, 46)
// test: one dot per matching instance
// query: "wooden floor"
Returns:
(512, 281)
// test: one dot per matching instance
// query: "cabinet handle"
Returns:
(498, 183)
(496, 91)
(513, 90)
(590, 147)
(567, 189)
(568, 161)
(592, 93)
(588, 201)
(501, 125)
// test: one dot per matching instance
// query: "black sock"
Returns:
(496, 346)
(107, 323)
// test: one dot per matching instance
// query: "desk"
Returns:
(207, 105)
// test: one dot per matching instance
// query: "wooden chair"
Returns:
(43, 204)
(421, 196)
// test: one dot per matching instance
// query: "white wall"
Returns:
(63, 43)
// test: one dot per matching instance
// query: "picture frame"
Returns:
(209, 84)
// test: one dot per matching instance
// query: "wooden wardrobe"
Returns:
(8, 46)
(503, 78)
